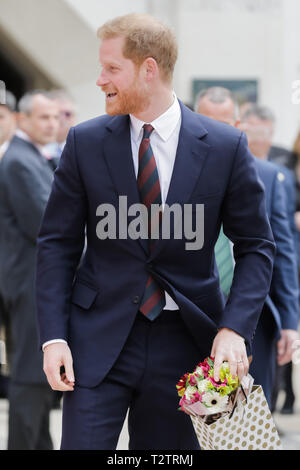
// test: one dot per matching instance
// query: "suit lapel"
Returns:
(118, 155)
(190, 157)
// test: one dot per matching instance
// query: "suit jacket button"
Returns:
(136, 299)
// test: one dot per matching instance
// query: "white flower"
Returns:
(199, 372)
(190, 391)
(215, 402)
(202, 385)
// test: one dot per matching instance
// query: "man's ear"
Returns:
(150, 68)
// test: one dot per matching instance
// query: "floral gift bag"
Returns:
(227, 415)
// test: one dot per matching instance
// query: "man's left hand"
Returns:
(285, 347)
(230, 346)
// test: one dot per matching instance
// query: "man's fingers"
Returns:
(69, 369)
(230, 346)
(56, 356)
(242, 367)
(65, 380)
(283, 360)
(281, 346)
(217, 366)
(56, 381)
(238, 367)
(234, 365)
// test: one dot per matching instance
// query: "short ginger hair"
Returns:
(145, 36)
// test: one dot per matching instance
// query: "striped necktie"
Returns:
(153, 300)
(224, 262)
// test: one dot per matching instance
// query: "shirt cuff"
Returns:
(52, 342)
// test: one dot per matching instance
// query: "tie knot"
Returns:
(148, 129)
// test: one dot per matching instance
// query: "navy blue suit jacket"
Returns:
(94, 307)
(289, 185)
(284, 295)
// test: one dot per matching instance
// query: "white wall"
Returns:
(96, 12)
(59, 43)
(226, 39)
(218, 39)
(234, 39)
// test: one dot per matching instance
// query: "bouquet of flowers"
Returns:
(201, 395)
(227, 415)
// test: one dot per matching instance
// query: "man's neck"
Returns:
(8, 136)
(160, 103)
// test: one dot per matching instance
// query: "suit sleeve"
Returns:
(245, 222)
(28, 196)
(284, 286)
(60, 245)
(289, 185)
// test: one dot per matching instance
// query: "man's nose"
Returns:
(102, 80)
(53, 122)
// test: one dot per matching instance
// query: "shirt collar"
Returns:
(164, 125)
(4, 146)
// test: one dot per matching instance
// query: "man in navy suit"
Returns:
(259, 123)
(276, 330)
(139, 312)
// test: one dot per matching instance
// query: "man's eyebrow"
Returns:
(110, 62)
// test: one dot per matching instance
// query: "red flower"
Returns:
(192, 380)
(182, 382)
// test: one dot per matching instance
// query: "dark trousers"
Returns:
(284, 381)
(143, 380)
(263, 366)
(4, 324)
(29, 409)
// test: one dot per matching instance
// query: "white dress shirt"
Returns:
(4, 147)
(164, 142)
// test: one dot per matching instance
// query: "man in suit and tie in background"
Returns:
(8, 121)
(7, 130)
(259, 123)
(280, 315)
(25, 183)
(140, 311)
(67, 119)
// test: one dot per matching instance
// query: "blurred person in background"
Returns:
(7, 122)
(285, 373)
(7, 130)
(296, 169)
(259, 123)
(25, 183)
(219, 104)
(280, 312)
(243, 107)
(67, 119)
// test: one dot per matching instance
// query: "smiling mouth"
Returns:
(110, 95)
